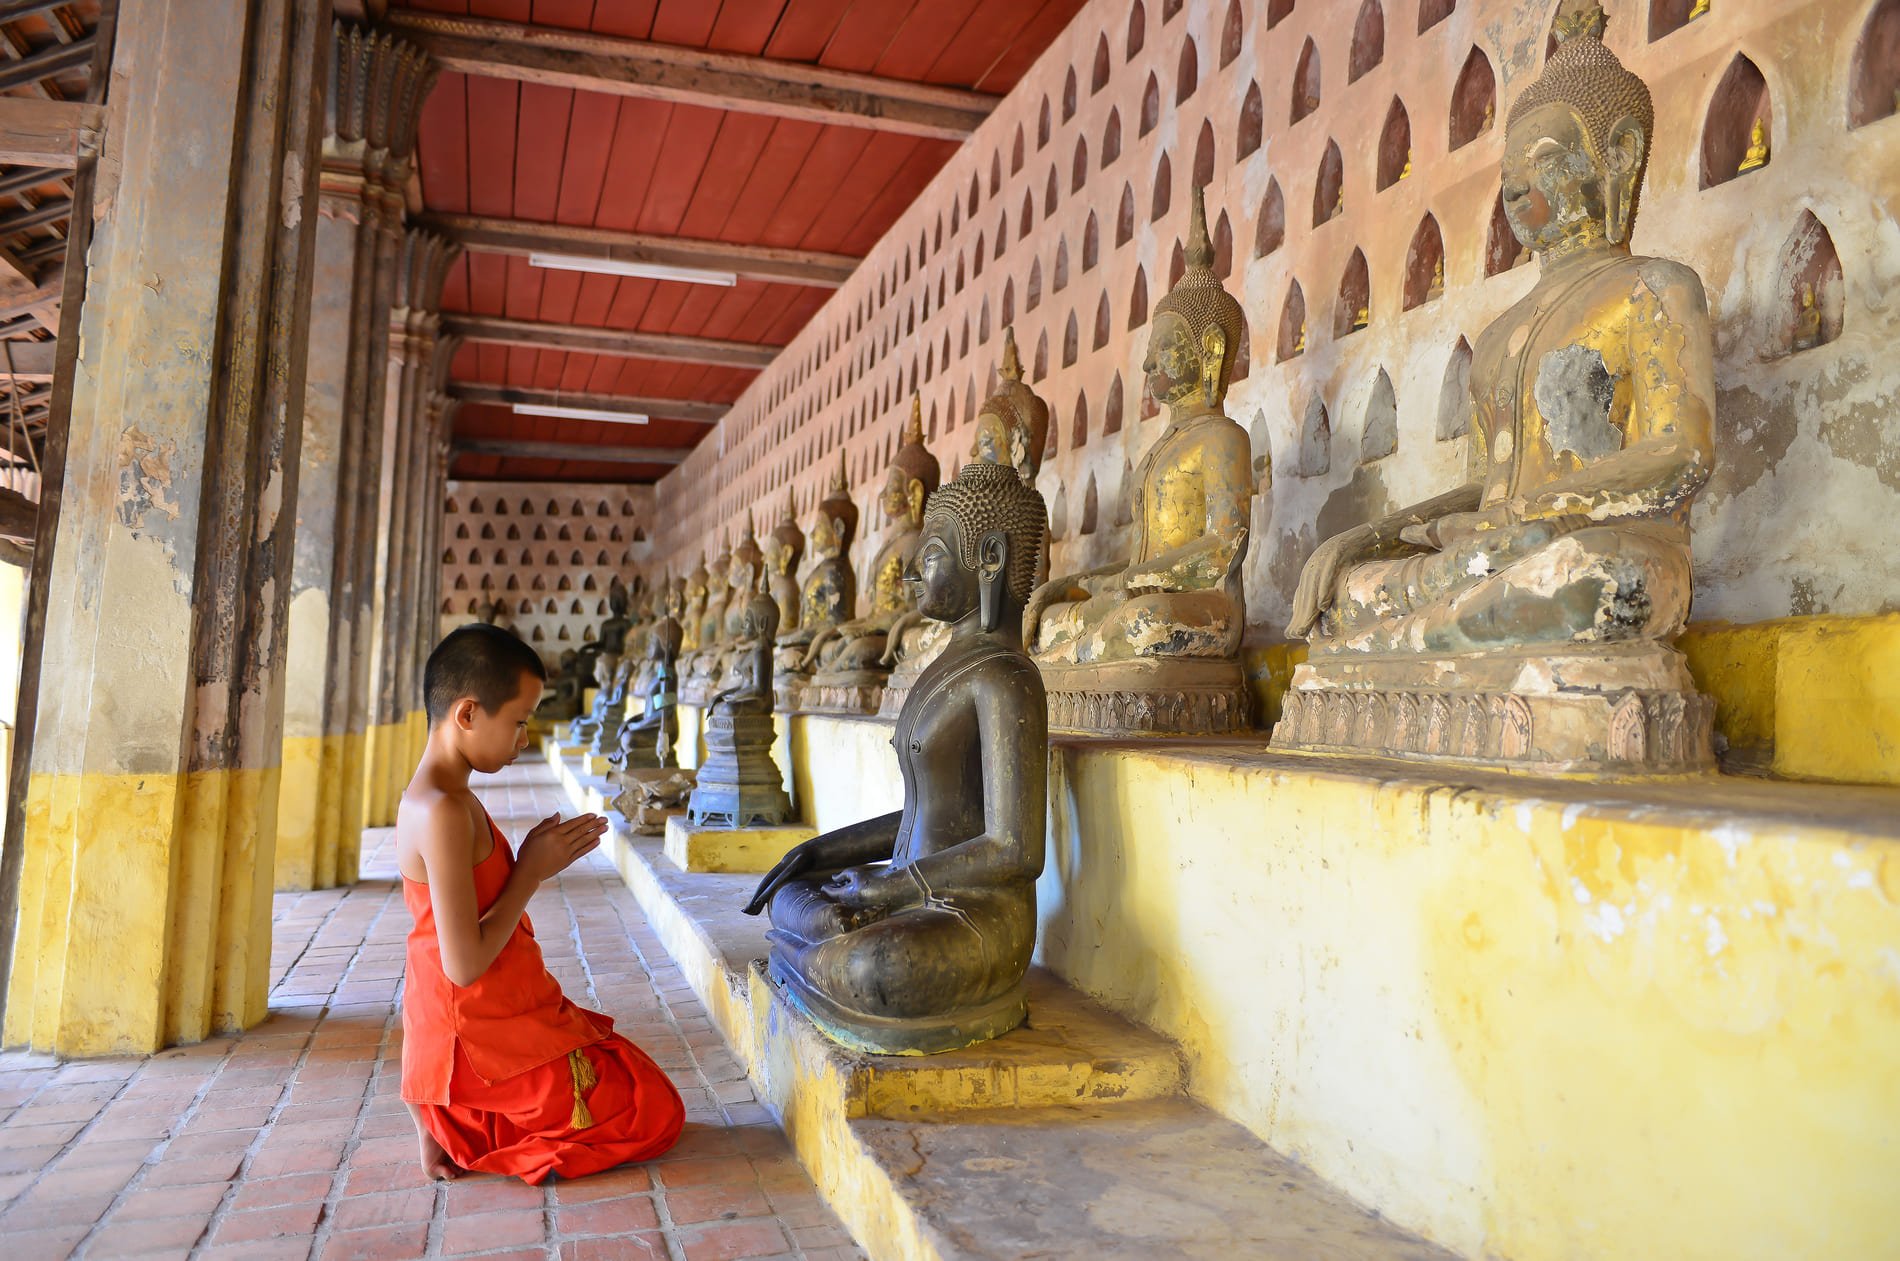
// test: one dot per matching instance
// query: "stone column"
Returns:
(151, 808)
(376, 94)
(400, 567)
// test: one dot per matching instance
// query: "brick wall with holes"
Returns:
(1350, 152)
(545, 552)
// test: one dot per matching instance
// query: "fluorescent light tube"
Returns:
(579, 413)
(646, 271)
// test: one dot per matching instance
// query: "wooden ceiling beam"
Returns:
(42, 133)
(669, 347)
(48, 62)
(509, 448)
(693, 76)
(693, 410)
(522, 237)
(26, 361)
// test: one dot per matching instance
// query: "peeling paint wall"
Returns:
(1803, 514)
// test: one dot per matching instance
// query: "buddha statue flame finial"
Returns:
(913, 458)
(1024, 418)
(1012, 367)
(1200, 300)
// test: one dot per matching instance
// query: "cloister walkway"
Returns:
(290, 1142)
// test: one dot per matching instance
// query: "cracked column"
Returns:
(151, 809)
(377, 91)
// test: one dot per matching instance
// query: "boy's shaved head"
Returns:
(478, 660)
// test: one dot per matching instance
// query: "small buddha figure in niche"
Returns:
(1539, 596)
(1757, 155)
(648, 742)
(830, 594)
(1437, 285)
(1299, 343)
(739, 783)
(1361, 318)
(1807, 321)
(784, 547)
(911, 932)
(1700, 9)
(1011, 429)
(1153, 643)
(846, 657)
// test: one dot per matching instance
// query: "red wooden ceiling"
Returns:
(490, 146)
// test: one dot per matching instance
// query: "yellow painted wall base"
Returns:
(298, 812)
(691, 847)
(1805, 697)
(144, 910)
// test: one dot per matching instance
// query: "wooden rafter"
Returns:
(687, 409)
(521, 237)
(665, 72)
(26, 361)
(670, 347)
(43, 133)
(520, 450)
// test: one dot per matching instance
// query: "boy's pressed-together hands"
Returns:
(555, 844)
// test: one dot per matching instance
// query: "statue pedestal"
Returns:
(845, 692)
(740, 784)
(1607, 708)
(754, 850)
(1148, 695)
(651, 797)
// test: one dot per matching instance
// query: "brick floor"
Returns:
(290, 1140)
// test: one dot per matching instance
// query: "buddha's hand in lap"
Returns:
(872, 888)
(1319, 578)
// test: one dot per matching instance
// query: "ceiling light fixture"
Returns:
(579, 413)
(645, 271)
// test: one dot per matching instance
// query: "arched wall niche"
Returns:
(1874, 87)
(1432, 12)
(1292, 339)
(1809, 302)
(1270, 225)
(1473, 100)
(1395, 146)
(1368, 41)
(1329, 197)
(1252, 122)
(1232, 33)
(1306, 82)
(1353, 311)
(1424, 265)
(1738, 132)
(1379, 434)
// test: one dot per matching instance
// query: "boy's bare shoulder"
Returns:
(434, 819)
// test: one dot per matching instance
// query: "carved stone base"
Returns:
(845, 692)
(1621, 709)
(788, 692)
(697, 692)
(740, 784)
(1183, 696)
(649, 797)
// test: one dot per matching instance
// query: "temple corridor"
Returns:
(289, 1141)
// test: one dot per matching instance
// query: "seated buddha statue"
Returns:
(743, 576)
(697, 680)
(561, 699)
(911, 932)
(739, 783)
(647, 742)
(581, 730)
(694, 591)
(845, 660)
(830, 593)
(783, 548)
(1528, 610)
(1011, 428)
(1153, 643)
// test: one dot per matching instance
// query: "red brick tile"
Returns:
(493, 1230)
(606, 1185)
(287, 1249)
(206, 1120)
(607, 1217)
(377, 1151)
(271, 1162)
(384, 1243)
(301, 1188)
(733, 1240)
(66, 1178)
(200, 1200)
(268, 1223)
(55, 1244)
(624, 1248)
(373, 1178)
(390, 1209)
(215, 1167)
(174, 1235)
(706, 1172)
(726, 1202)
(44, 1212)
(26, 1159)
(214, 1143)
(486, 1193)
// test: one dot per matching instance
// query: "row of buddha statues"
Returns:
(1524, 618)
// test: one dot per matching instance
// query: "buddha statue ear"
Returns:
(1622, 172)
(1213, 355)
(992, 571)
(914, 495)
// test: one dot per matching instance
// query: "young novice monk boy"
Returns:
(501, 1072)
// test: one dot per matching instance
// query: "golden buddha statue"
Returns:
(1153, 643)
(1011, 429)
(1437, 285)
(697, 680)
(1757, 155)
(1405, 172)
(830, 594)
(784, 547)
(692, 606)
(1524, 617)
(1299, 343)
(845, 660)
(1361, 318)
(1807, 322)
(1700, 9)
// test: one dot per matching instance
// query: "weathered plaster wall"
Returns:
(547, 551)
(1804, 512)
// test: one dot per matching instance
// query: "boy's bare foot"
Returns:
(435, 1161)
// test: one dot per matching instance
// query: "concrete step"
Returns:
(1164, 1178)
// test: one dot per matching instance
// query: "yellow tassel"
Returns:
(584, 1079)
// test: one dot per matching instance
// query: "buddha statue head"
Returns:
(761, 617)
(1013, 423)
(1576, 142)
(697, 582)
(982, 539)
(1196, 330)
(914, 471)
(747, 561)
(719, 572)
(617, 597)
(837, 522)
(785, 545)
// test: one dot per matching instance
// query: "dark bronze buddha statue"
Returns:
(910, 933)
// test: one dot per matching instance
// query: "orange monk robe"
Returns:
(509, 1076)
